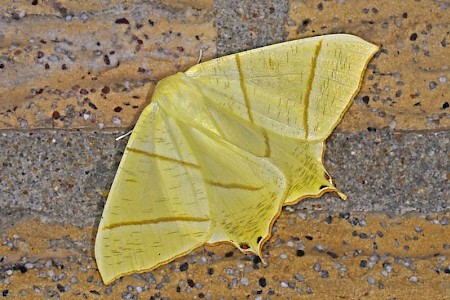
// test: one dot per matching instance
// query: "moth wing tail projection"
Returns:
(298, 89)
(246, 192)
(301, 163)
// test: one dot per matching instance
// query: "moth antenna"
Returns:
(123, 135)
(199, 57)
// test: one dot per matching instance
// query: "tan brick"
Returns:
(402, 75)
(405, 255)
(76, 64)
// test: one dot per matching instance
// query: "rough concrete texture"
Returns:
(65, 175)
(244, 25)
(91, 65)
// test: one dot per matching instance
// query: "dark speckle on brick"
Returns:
(324, 274)
(191, 283)
(363, 263)
(56, 115)
(365, 99)
(262, 282)
(445, 105)
(184, 267)
(300, 253)
(106, 59)
(345, 216)
(122, 21)
(106, 90)
(21, 268)
(91, 105)
(332, 254)
(371, 129)
(117, 109)
(413, 36)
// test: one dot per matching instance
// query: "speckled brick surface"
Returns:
(69, 65)
(406, 86)
(350, 256)
(82, 72)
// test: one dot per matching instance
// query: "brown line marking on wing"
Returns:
(267, 151)
(309, 87)
(244, 88)
(161, 157)
(156, 221)
(233, 185)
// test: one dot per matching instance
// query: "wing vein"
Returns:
(157, 221)
(234, 185)
(244, 88)
(309, 88)
(162, 157)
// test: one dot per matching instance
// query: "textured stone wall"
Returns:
(76, 74)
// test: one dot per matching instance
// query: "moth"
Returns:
(222, 147)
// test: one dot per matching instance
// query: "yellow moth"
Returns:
(223, 147)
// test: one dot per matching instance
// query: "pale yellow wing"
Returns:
(299, 160)
(157, 207)
(221, 148)
(245, 193)
(177, 188)
(299, 88)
